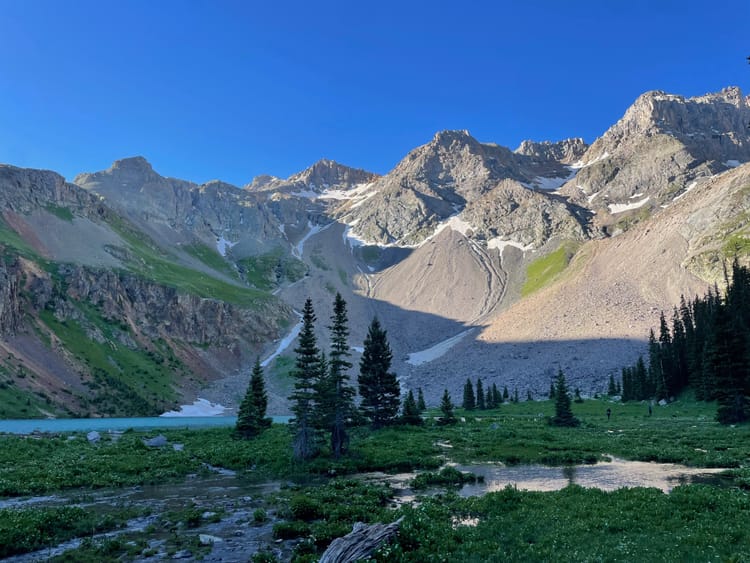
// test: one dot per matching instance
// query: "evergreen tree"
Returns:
(728, 361)
(251, 416)
(446, 407)
(529, 396)
(666, 358)
(481, 403)
(339, 394)
(497, 398)
(643, 386)
(515, 395)
(563, 412)
(410, 413)
(656, 367)
(627, 386)
(506, 395)
(421, 405)
(552, 390)
(469, 402)
(612, 389)
(306, 374)
(679, 352)
(378, 386)
(323, 396)
(578, 398)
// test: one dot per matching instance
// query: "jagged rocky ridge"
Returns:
(438, 180)
(659, 147)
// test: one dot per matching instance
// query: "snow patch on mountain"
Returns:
(580, 164)
(436, 351)
(500, 244)
(554, 183)
(314, 229)
(223, 245)
(200, 407)
(285, 342)
(620, 207)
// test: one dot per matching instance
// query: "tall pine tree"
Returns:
(378, 386)
(410, 413)
(481, 402)
(338, 395)
(251, 416)
(306, 374)
(563, 412)
(497, 398)
(421, 405)
(469, 403)
(446, 408)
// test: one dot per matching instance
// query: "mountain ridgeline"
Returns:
(125, 292)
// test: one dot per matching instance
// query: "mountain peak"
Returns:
(449, 136)
(133, 163)
(329, 173)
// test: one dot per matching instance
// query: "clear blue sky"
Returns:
(222, 89)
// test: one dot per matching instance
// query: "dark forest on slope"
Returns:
(706, 349)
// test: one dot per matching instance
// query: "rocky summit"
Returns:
(125, 292)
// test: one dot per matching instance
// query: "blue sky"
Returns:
(229, 90)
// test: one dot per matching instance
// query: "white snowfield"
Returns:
(620, 207)
(436, 351)
(578, 165)
(314, 229)
(200, 407)
(687, 190)
(285, 342)
(500, 244)
(357, 192)
(732, 163)
(555, 183)
(222, 245)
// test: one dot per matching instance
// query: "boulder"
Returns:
(157, 442)
(207, 539)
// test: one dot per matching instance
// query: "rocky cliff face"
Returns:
(660, 146)
(326, 174)
(157, 311)
(25, 190)
(568, 151)
(11, 307)
(498, 192)
(513, 214)
(177, 211)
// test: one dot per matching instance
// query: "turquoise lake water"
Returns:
(28, 426)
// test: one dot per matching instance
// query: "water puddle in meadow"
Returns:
(607, 476)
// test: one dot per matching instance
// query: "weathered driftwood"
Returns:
(360, 543)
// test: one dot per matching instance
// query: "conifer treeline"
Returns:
(483, 398)
(706, 348)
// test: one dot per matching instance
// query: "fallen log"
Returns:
(360, 543)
